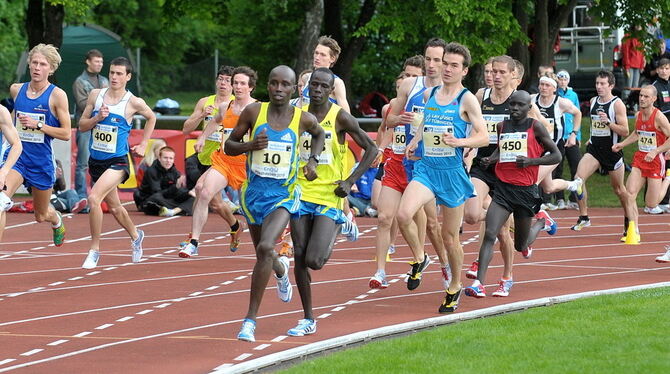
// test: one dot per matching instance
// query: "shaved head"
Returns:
(521, 96)
(284, 72)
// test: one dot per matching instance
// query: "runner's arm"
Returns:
(351, 127)
(663, 125)
(395, 117)
(621, 125)
(143, 109)
(543, 137)
(535, 114)
(86, 122)
(234, 145)
(9, 133)
(61, 111)
(340, 93)
(196, 117)
(471, 112)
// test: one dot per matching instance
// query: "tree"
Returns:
(12, 39)
(309, 33)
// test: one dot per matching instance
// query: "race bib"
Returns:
(433, 144)
(399, 140)
(646, 141)
(599, 128)
(492, 121)
(30, 135)
(274, 161)
(418, 118)
(326, 156)
(104, 138)
(217, 135)
(511, 145)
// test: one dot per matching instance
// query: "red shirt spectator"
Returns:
(633, 54)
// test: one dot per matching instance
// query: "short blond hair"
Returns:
(49, 52)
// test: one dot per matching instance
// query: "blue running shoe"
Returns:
(350, 229)
(476, 290)
(304, 327)
(549, 224)
(247, 331)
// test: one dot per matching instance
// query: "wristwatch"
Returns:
(315, 157)
(39, 125)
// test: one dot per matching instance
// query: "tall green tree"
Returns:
(12, 40)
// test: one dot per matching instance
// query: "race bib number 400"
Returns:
(433, 144)
(646, 141)
(492, 121)
(274, 161)
(326, 156)
(104, 138)
(27, 134)
(513, 144)
(599, 128)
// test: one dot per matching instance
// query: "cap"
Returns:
(563, 75)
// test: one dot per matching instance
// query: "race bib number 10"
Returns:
(274, 161)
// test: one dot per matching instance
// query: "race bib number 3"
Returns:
(646, 141)
(513, 144)
(599, 128)
(399, 140)
(104, 138)
(274, 161)
(433, 144)
(27, 134)
(492, 121)
(326, 156)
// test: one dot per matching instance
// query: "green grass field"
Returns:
(626, 333)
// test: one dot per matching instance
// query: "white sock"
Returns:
(60, 222)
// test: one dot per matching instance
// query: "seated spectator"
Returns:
(163, 191)
(150, 155)
(361, 193)
(64, 200)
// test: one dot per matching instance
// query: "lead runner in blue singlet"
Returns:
(40, 115)
(271, 193)
(109, 114)
(8, 132)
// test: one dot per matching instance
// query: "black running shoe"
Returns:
(414, 279)
(450, 303)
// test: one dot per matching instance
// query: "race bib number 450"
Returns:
(274, 161)
(104, 138)
(27, 134)
(513, 144)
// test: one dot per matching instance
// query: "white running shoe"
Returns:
(284, 288)
(189, 250)
(560, 205)
(654, 210)
(304, 327)
(666, 257)
(665, 207)
(91, 260)
(137, 246)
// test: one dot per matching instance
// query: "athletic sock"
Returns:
(194, 242)
(625, 224)
(235, 227)
(506, 278)
(60, 222)
(584, 218)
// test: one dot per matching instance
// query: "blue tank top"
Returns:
(36, 144)
(439, 119)
(305, 92)
(276, 166)
(415, 104)
(109, 137)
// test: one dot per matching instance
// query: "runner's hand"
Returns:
(199, 145)
(103, 112)
(343, 188)
(309, 170)
(260, 141)
(523, 162)
(617, 147)
(138, 150)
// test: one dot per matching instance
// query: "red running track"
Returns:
(173, 315)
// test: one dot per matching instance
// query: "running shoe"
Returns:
(446, 276)
(654, 210)
(551, 206)
(579, 191)
(304, 327)
(247, 331)
(581, 223)
(476, 290)
(450, 303)
(5, 202)
(414, 279)
(137, 246)
(59, 232)
(665, 207)
(664, 259)
(378, 280)
(527, 253)
(549, 224)
(472, 272)
(185, 242)
(350, 229)
(79, 206)
(560, 205)
(189, 250)
(572, 205)
(284, 288)
(91, 260)
(391, 250)
(235, 237)
(503, 288)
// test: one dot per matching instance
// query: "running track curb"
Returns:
(364, 336)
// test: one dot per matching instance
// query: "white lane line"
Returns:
(37, 248)
(179, 299)
(124, 319)
(394, 280)
(94, 273)
(56, 283)
(81, 334)
(361, 297)
(338, 309)
(58, 342)
(220, 237)
(163, 305)
(110, 268)
(36, 289)
(374, 290)
(170, 251)
(227, 283)
(242, 357)
(106, 325)
(279, 338)
(324, 315)
(262, 347)
(30, 353)
(7, 361)
(224, 366)
(196, 293)
(241, 277)
(22, 252)
(15, 294)
(5, 256)
(145, 311)
(211, 288)
(75, 278)
(208, 241)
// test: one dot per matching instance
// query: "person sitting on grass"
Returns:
(163, 191)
